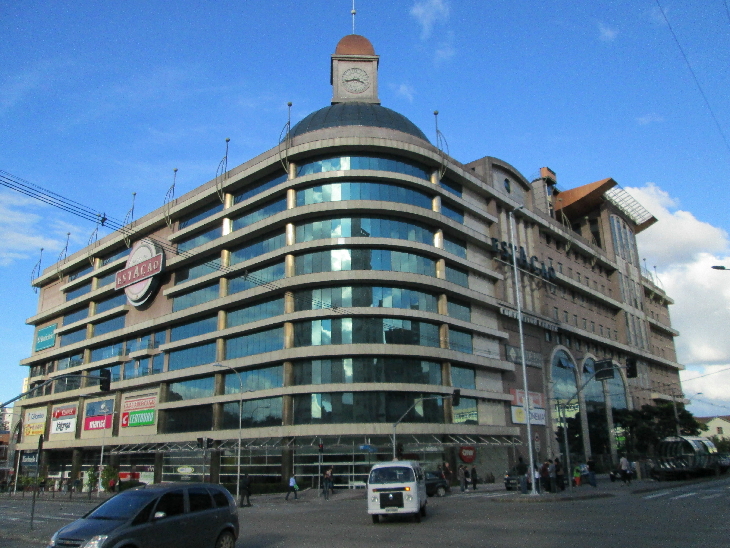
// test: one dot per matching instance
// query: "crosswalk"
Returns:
(678, 494)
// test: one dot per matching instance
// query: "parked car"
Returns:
(167, 515)
(436, 485)
(723, 460)
(512, 480)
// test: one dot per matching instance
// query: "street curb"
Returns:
(541, 499)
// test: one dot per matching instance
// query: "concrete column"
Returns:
(290, 234)
(435, 177)
(158, 467)
(436, 204)
(223, 287)
(220, 349)
(438, 239)
(446, 381)
(287, 464)
(215, 466)
(116, 416)
(227, 226)
(288, 335)
(609, 422)
(443, 305)
(225, 258)
(287, 411)
(291, 198)
(292, 170)
(444, 335)
(289, 270)
(77, 457)
(289, 303)
(441, 269)
(218, 415)
(222, 319)
(584, 423)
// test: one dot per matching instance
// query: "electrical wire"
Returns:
(705, 375)
(694, 76)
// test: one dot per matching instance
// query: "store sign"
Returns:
(139, 410)
(103, 422)
(537, 416)
(533, 264)
(533, 359)
(63, 419)
(98, 408)
(46, 337)
(29, 460)
(140, 275)
(35, 422)
(467, 454)
(145, 417)
(526, 318)
(537, 399)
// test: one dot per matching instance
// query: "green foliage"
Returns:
(92, 480)
(722, 444)
(109, 473)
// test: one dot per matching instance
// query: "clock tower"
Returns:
(354, 74)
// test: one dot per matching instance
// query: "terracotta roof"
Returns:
(705, 420)
(354, 44)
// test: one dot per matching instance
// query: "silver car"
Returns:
(166, 515)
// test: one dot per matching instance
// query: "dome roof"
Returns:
(354, 44)
(356, 114)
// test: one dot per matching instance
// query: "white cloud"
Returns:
(649, 118)
(428, 13)
(709, 390)
(404, 90)
(606, 34)
(27, 225)
(445, 51)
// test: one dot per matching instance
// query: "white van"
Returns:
(397, 487)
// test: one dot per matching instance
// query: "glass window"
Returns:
(105, 352)
(346, 163)
(386, 369)
(251, 217)
(255, 379)
(452, 213)
(83, 272)
(198, 418)
(461, 341)
(466, 412)
(260, 186)
(194, 298)
(363, 190)
(199, 239)
(335, 260)
(263, 245)
(460, 311)
(76, 316)
(102, 328)
(455, 246)
(71, 337)
(78, 291)
(450, 186)
(116, 256)
(457, 276)
(255, 343)
(193, 329)
(365, 296)
(213, 264)
(158, 364)
(255, 278)
(254, 413)
(71, 361)
(563, 375)
(199, 499)
(192, 389)
(373, 227)
(199, 215)
(191, 357)
(463, 377)
(106, 279)
(360, 330)
(117, 300)
(255, 312)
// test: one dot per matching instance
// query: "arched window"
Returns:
(593, 391)
(618, 392)
(563, 375)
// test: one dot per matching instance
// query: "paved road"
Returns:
(647, 514)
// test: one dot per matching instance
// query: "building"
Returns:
(716, 426)
(353, 275)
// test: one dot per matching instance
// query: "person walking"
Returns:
(474, 478)
(521, 469)
(326, 478)
(553, 479)
(536, 477)
(293, 487)
(591, 472)
(545, 476)
(559, 474)
(461, 477)
(245, 489)
(448, 473)
(467, 477)
(625, 470)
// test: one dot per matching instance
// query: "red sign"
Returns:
(536, 398)
(61, 412)
(138, 272)
(102, 422)
(467, 454)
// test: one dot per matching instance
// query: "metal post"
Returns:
(528, 421)
(567, 449)
(37, 467)
(101, 459)
(240, 413)
(676, 414)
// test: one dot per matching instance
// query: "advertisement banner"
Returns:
(46, 337)
(537, 416)
(537, 399)
(63, 419)
(145, 417)
(140, 401)
(35, 422)
(99, 408)
(102, 422)
(63, 426)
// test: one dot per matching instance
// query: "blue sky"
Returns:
(99, 100)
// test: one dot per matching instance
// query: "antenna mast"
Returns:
(353, 12)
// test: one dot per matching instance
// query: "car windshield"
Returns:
(122, 507)
(392, 474)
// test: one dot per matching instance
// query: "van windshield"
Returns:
(392, 474)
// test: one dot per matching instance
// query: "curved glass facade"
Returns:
(365, 296)
(254, 413)
(249, 218)
(358, 227)
(563, 376)
(384, 369)
(336, 260)
(375, 163)
(361, 330)
(363, 190)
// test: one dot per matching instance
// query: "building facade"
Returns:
(352, 276)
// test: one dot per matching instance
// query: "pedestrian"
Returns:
(461, 477)
(545, 476)
(448, 474)
(625, 467)
(326, 483)
(467, 477)
(591, 472)
(77, 485)
(293, 487)
(521, 470)
(245, 489)
(536, 477)
(474, 478)
(559, 475)
(576, 475)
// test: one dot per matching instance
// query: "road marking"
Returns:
(712, 496)
(683, 496)
(657, 495)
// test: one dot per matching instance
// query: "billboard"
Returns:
(45, 337)
(537, 416)
(99, 415)
(34, 423)
(139, 410)
(102, 422)
(63, 419)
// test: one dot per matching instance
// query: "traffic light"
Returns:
(201, 443)
(456, 398)
(105, 379)
(604, 370)
(631, 371)
(321, 447)
(205, 443)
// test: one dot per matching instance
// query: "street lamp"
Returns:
(526, 400)
(240, 412)
(720, 268)
(456, 394)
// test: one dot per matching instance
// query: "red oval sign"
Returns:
(467, 454)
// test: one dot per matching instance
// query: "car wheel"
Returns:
(225, 540)
(417, 516)
(376, 518)
(423, 510)
(441, 491)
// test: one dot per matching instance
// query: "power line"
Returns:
(694, 76)
(705, 375)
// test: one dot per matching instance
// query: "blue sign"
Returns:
(100, 408)
(46, 337)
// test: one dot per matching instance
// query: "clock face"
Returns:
(355, 80)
